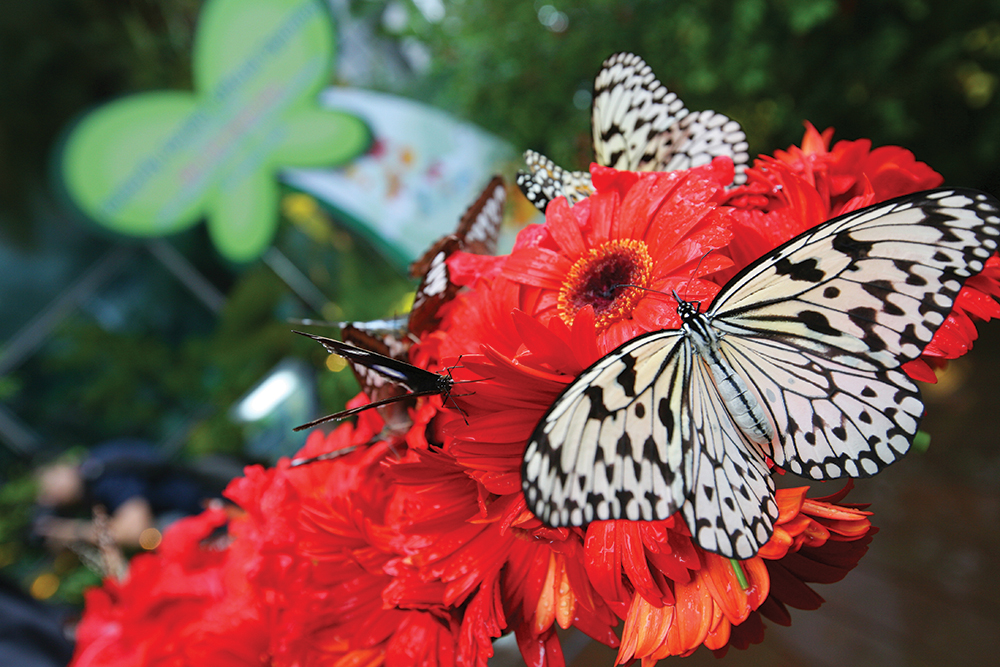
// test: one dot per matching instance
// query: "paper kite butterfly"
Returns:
(370, 344)
(637, 125)
(798, 359)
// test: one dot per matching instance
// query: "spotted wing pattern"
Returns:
(822, 325)
(546, 180)
(817, 329)
(637, 125)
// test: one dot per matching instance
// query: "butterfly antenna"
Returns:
(326, 456)
(695, 272)
(645, 289)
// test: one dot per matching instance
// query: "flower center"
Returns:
(598, 277)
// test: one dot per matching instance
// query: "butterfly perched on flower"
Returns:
(415, 381)
(369, 344)
(637, 125)
(797, 361)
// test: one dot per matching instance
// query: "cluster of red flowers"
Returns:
(421, 551)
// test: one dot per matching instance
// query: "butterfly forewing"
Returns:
(375, 384)
(417, 381)
(823, 324)
(631, 109)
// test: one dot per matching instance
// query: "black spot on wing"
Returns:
(845, 243)
(807, 270)
(598, 410)
(626, 379)
(816, 321)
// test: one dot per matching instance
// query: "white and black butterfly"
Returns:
(797, 360)
(637, 125)
(414, 380)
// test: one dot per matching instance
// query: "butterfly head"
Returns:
(687, 310)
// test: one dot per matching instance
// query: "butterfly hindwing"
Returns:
(730, 508)
(700, 137)
(857, 420)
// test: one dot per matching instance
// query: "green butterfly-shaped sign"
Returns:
(156, 163)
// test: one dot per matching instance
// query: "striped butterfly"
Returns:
(637, 125)
(797, 360)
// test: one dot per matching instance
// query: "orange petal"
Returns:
(545, 610)
(789, 503)
(694, 612)
(645, 630)
(721, 581)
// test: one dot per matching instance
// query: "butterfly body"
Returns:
(741, 404)
(797, 362)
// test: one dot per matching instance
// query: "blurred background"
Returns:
(163, 342)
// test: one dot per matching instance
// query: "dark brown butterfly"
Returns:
(413, 380)
(477, 233)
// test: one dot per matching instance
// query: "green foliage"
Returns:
(17, 496)
(61, 57)
(914, 73)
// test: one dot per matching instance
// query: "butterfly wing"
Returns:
(416, 380)
(631, 109)
(697, 139)
(820, 326)
(479, 227)
(546, 180)
(436, 287)
(477, 233)
(375, 384)
(609, 447)
(730, 508)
